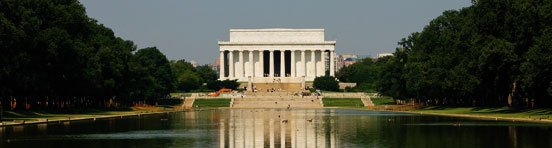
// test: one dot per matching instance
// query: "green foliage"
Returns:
(217, 84)
(53, 53)
(348, 89)
(206, 73)
(170, 101)
(187, 81)
(326, 83)
(187, 78)
(491, 53)
(154, 73)
(364, 73)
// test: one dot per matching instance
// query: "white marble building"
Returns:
(257, 54)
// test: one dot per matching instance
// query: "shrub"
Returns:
(216, 85)
(327, 83)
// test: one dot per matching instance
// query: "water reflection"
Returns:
(277, 128)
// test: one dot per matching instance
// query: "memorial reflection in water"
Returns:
(277, 128)
(280, 128)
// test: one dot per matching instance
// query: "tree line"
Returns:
(53, 56)
(198, 79)
(364, 72)
(492, 53)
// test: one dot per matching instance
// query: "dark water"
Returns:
(289, 128)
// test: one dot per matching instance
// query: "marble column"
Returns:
(221, 65)
(261, 62)
(323, 61)
(303, 63)
(231, 64)
(292, 63)
(271, 60)
(332, 63)
(251, 65)
(282, 63)
(313, 59)
(241, 67)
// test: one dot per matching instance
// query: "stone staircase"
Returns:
(283, 86)
(367, 101)
(188, 102)
(275, 100)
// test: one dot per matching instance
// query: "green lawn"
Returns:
(342, 102)
(382, 101)
(545, 113)
(225, 102)
(31, 115)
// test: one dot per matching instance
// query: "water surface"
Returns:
(280, 128)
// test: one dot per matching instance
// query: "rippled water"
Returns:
(281, 128)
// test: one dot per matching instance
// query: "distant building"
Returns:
(194, 63)
(335, 60)
(346, 60)
(360, 57)
(216, 66)
(383, 55)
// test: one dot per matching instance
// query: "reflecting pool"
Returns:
(280, 128)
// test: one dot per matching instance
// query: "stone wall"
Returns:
(342, 85)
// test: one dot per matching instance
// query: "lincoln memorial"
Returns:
(283, 56)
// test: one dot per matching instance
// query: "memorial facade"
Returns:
(276, 55)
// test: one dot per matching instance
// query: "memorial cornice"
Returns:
(277, 30)
(277, 43)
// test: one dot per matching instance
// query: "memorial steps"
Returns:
(276, 100)
(283, 86)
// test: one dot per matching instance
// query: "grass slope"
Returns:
(342, 102)
(382, 101)
(33, 115)
(212, 102)
(543, 113)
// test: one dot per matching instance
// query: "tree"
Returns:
(187, 77)
(328, 83)
(187, 81)
(154, 77)
(217, 84)
(206, 73)
(493, 53)
(364, 73)
(536, 70)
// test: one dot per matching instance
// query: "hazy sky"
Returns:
(190, 29)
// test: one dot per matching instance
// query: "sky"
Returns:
(190, 29)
